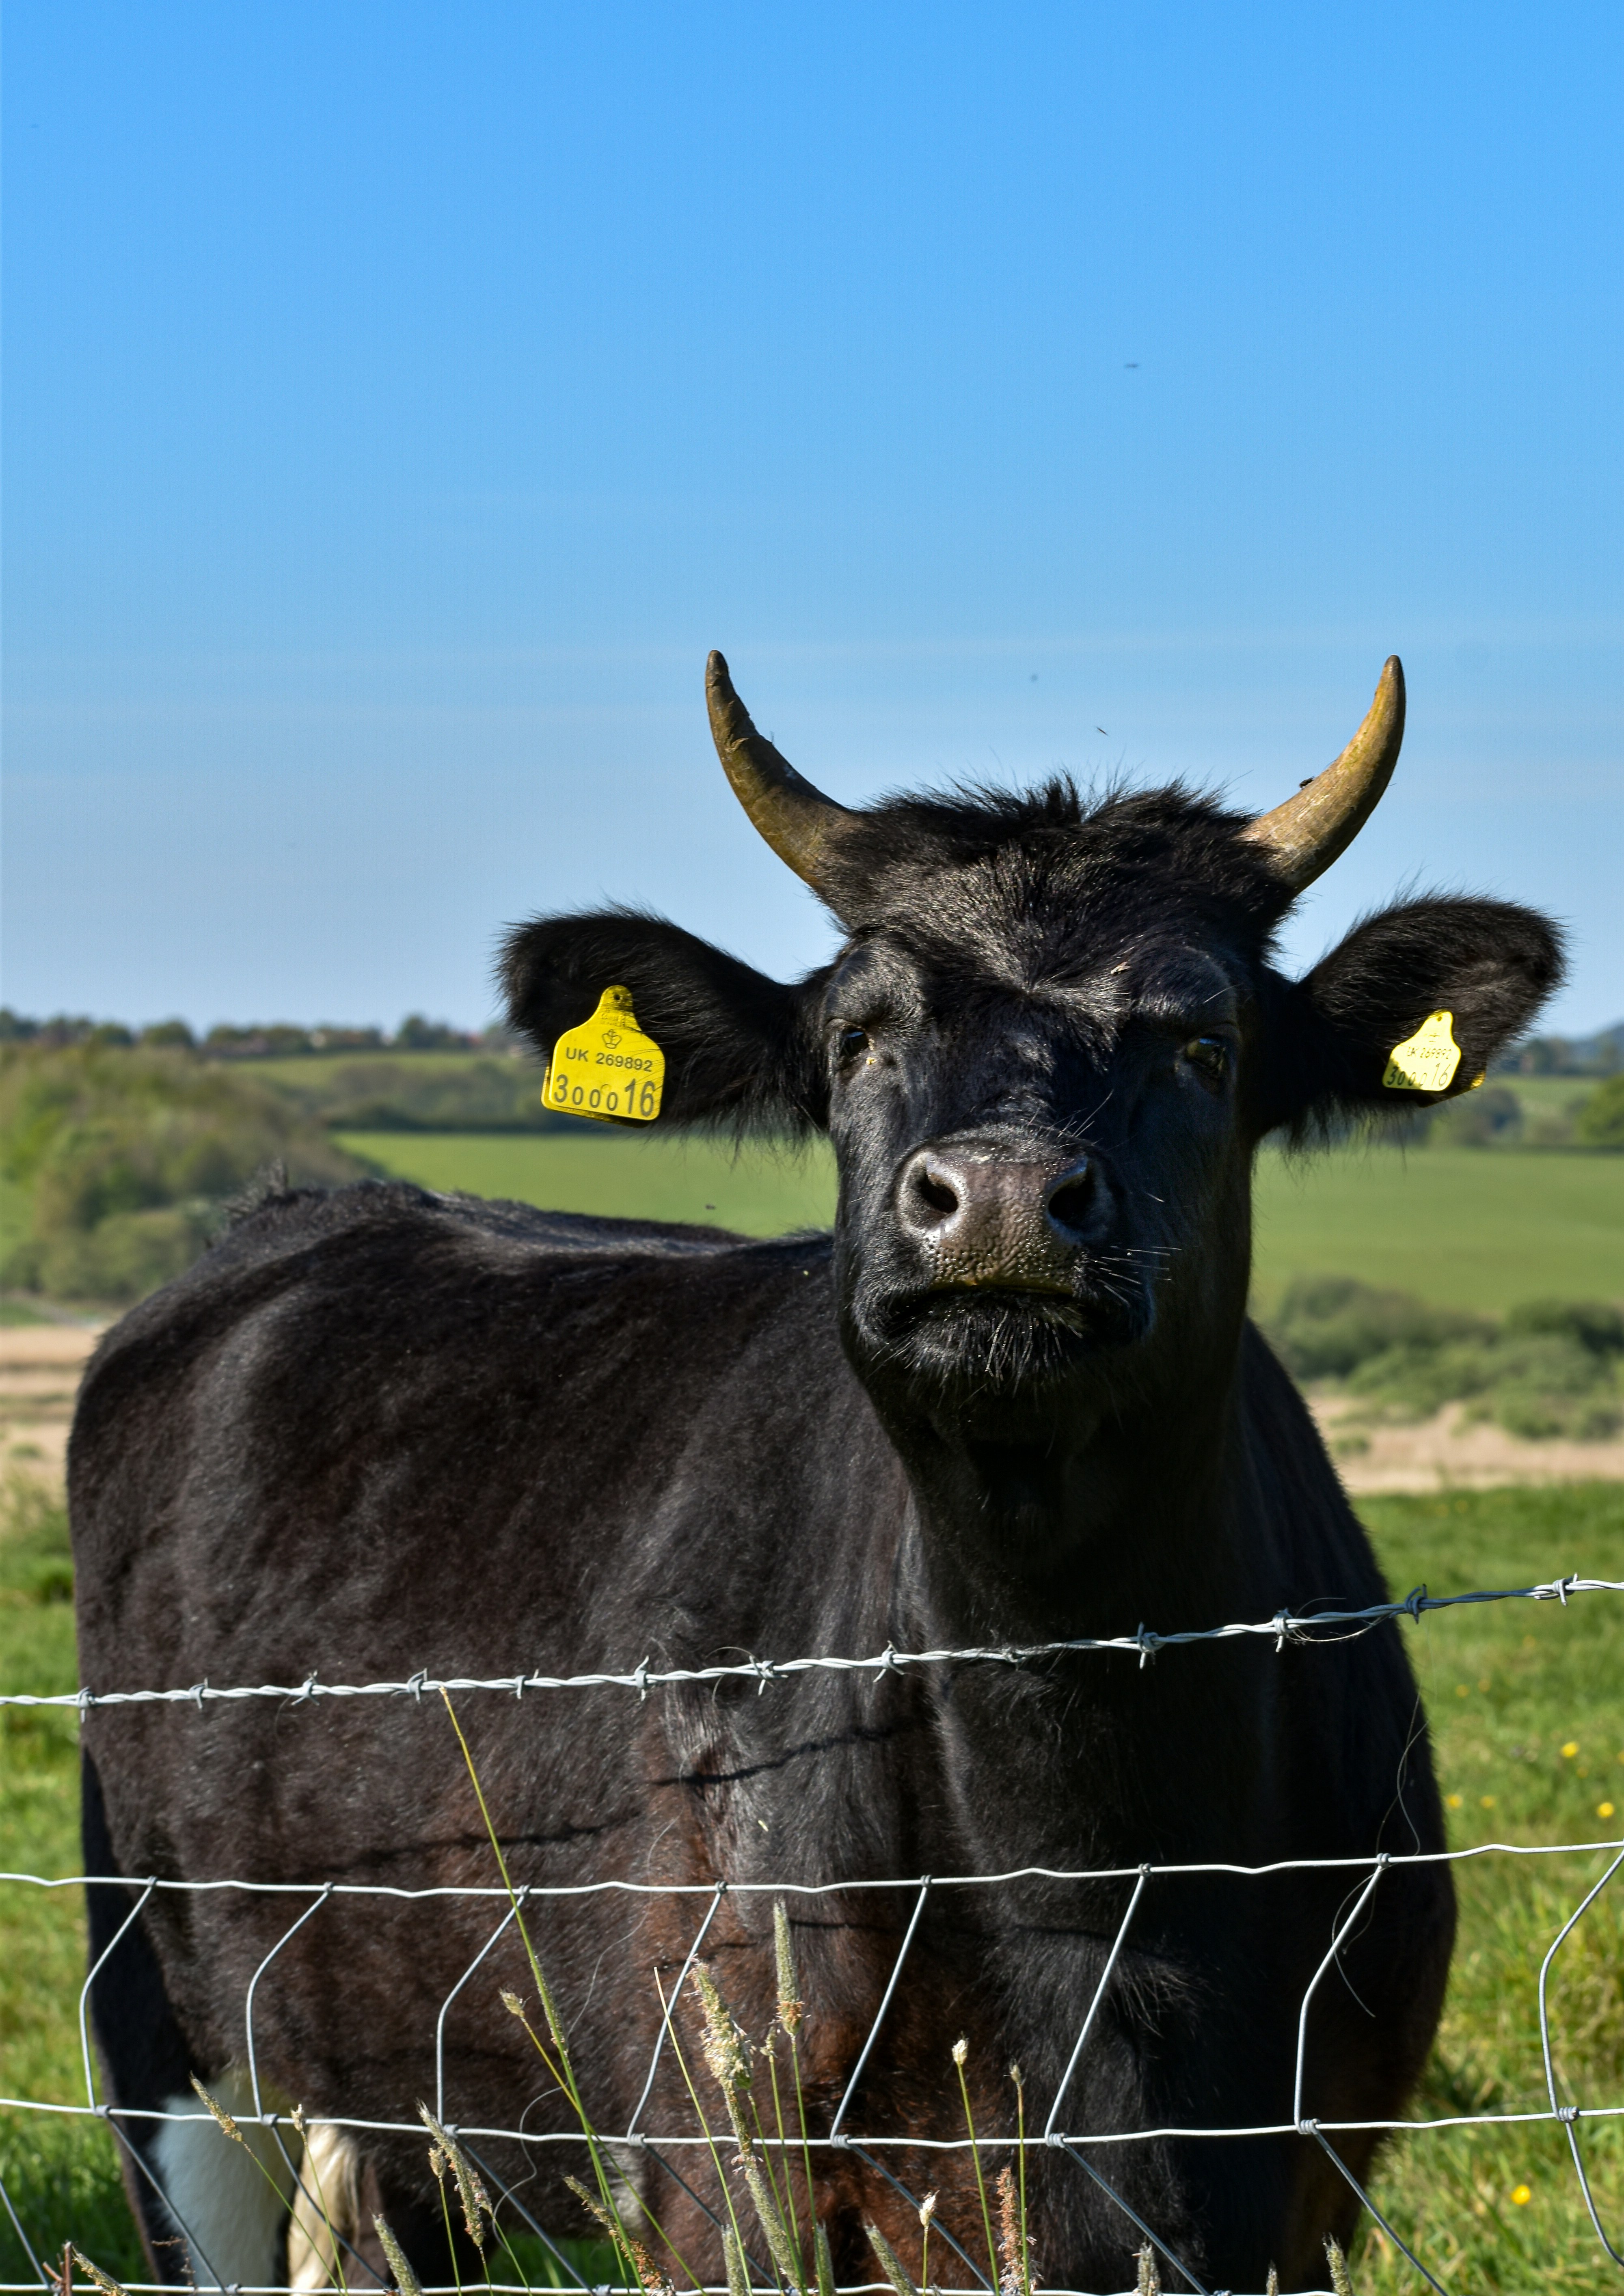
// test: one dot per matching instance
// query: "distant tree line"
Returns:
(273, 1040)
(1601, 1055)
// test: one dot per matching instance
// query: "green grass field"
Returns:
(1468, 1228)
(1527, 1714)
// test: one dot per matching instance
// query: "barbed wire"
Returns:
(1297, 1627)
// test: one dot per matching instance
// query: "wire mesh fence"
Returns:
(687, 2157)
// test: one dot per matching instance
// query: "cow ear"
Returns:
(740, 1049)
(1330, 1036)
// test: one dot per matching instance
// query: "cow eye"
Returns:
(850, 1041)
(1210, 1055)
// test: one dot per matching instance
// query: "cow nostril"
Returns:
(1068, 1205)
(929, 1198)
(933, 1194)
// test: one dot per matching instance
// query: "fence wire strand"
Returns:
(1285, 1628)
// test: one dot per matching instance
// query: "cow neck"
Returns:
(1078, 1521)
(1138, 1521)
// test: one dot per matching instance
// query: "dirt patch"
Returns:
(41, 1364)
(40, 1368)
(1445, 1452)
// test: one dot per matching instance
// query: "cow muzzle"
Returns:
(980, 1216)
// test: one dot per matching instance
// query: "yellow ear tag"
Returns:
(607, 1068)
(1425, 1062)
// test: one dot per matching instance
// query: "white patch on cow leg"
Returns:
(326, 2208)
(234, 2209)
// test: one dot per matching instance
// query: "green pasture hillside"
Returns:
(759, 1191)
(1467, 1227)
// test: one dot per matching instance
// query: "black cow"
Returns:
(1013, 1399)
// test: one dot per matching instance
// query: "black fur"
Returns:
(386, 1431)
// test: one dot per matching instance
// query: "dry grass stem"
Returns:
(890, 2263)
(727, 2050)
(792, 2008)
(733, 2258)
(109, 2286)
(626, 2244)
(1014, 2279)
(1149, 2282)
(821, 2261)
(406, 2279)
(771, 2216)
(219, 2112)
(1340, 2278)
(471, 2190)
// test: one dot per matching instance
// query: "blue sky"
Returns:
(400, 399)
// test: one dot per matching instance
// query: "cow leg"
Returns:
(179, 2178)
(206, 2208)
(326, 2208)
(229, 2202)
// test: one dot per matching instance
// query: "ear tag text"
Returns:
(607, 1068)
(1425, 1062)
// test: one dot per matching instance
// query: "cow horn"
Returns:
(1304, 835)
(795, 818)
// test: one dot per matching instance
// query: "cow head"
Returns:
(1046, 1050)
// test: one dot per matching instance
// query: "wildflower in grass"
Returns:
(1485, 1801)
(1604, 1809)
(1569, 1750)
(927, 2210)
(1521, 2195)
(406, 2279)
(961, 2051)
(1455, 1800)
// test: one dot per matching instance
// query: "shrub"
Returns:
(1327, 1325)
(1549, 1369)
(1599, 1122)
(1491, 1117)
(128, 1157)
